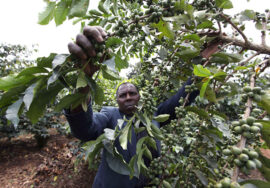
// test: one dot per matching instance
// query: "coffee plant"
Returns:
(214, 140)
(15, 58)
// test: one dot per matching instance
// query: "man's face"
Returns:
(127, 98)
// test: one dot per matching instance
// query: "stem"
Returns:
(241, 144)
(264, 26)
(235, 27)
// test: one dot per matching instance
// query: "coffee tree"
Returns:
(214, 141)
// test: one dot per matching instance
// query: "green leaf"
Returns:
(220, 74)
(29, 95)
(12, 112)
(164, 28)
(203, 88)
(42, 98)
(68, 100)
(162, 117)
(193, 37)
(11, 95)
(265, 160)
(46, 61)
(133, 167)
(210, 161)
(226, 4)
(151, 142)
(140, 161)
(201, 112)
(247, 15)
(257, 183)
(81, 81)
(222, 115)
(163, 53)
(103, 8)
(110, 64)
(97, 92)
(59, 59)
(120, 63)
(201, 177)
(93, 148)
(222, 126)
(240, 68)
(227, 57)
(179, 5)
(205, 24)
(113, 41)
(265, 172)
(54, 77)
(45, 17)
(31, 91)
(139, 144)
(265, 131)
(210, 95)
(265, 102)
(61, 12)
(116, 164)
(166, 184)
(108, 74)
(11, 81)
(125, 134)
(188, 54)
(259, 26)
(78, 8)
(109, 134)
(95, 12)
(32, 70)
(199, 70)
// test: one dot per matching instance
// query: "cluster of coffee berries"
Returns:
(246, 159)
(247, 127)
(149, 104)
(227, 183)
(121, 29)
(190, 88)
(156, 13)
(254, 93)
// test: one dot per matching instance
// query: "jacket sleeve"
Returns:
(88, 125)
(168, 106)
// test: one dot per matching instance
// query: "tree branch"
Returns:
(225, 39)
(264, 27)
(235, 27)
(241, 144)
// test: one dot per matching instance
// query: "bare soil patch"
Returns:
(23, 164)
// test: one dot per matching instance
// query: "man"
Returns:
(89, 125)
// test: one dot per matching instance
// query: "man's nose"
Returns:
(128, 96)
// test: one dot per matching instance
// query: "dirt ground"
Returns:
(24, 165)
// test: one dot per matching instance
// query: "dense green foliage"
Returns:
(212, 139)
(15, 58)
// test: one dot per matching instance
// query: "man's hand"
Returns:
(83, 49)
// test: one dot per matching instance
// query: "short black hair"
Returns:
(124, 83)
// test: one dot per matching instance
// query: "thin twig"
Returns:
(235, 27)
(264, 28)
(262, 115)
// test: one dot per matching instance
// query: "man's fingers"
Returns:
(93, 32)
(86, 45)
(77, 51)
(101, 30)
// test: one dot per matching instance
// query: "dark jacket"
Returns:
(89, 125)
